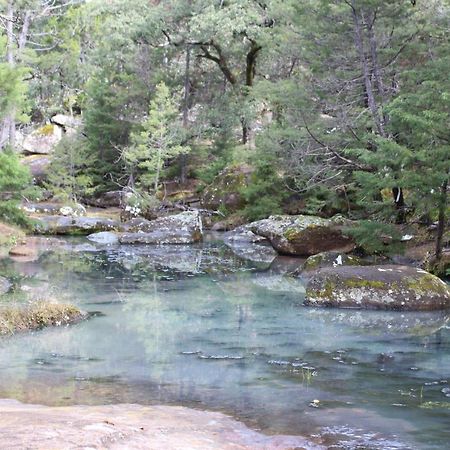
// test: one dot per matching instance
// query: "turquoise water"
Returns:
(201, 327)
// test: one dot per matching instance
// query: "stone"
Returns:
(387, 287)
(138, 224)
(183, 228)
(132, 427)
(243, 235)
(305, 235)
(43, 140)
(74, 225)
(225, 190)
(5, 285)
(66, 121)
(104, 237)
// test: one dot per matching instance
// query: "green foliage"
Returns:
(69, 178)
(159, 140)
(376, 238)
(265, 193)
(14, 179)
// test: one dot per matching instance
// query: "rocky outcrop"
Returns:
(387, 287)
(5, 285)
(305, 235)
(74, 225)
(183, 228)
(225, 190)
(131, 427)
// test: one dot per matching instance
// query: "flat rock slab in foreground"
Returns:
(130, 427)
(390, 287)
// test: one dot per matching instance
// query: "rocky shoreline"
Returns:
(132, 427)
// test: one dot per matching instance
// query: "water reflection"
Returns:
(202, 326)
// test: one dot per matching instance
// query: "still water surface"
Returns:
(201, 327)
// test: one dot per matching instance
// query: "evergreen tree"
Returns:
(159, 140)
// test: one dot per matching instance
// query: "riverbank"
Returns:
(131, 427)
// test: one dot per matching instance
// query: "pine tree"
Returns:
(159, 140)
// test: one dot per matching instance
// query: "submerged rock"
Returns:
(377, 287)
(304, 235)
(131, 427)
(183, 228)
(104, 237)
(74, 225)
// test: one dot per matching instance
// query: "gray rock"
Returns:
(305, 235)
(243, 235)
(66, 121)
(5, 285)
(377, 287)
(43, 140)
(183, 228)
(104, 237)
(74, 225)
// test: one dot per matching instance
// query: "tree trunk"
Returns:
(184, 157)
(359, 43)
(441, 220)
(8, 131)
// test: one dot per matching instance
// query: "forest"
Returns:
(332, 106)
(253, 134)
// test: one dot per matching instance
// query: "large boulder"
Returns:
(305, 235)
(183, 228)
(43, 140)
(225, 190)
(388, 287)
(74, 225)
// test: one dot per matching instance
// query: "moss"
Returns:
(326, 292)
(14, 319)
(366, 284)
(46, 130)
(291, 234)
(424, 284)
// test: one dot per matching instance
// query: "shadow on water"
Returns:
(205, 327)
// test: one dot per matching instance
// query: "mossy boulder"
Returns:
(43, 140)
(388, 287)
(303, 235)
(224, 193)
